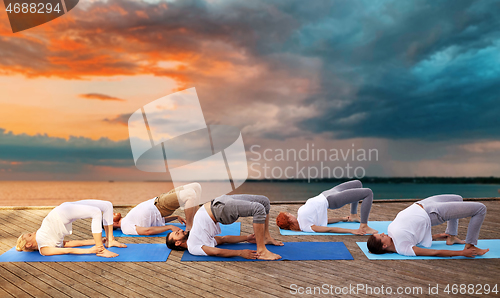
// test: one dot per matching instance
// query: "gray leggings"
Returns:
(450, 208)
(351, 192)
(228, 208)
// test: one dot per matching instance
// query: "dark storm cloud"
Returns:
(423, 70)
(389, 69)
(77, 150)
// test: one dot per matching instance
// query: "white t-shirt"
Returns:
(411, 226)
(313, 212)
(203, 233)
(52, 231)
(143, 215)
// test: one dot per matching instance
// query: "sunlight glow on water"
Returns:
(52, 193)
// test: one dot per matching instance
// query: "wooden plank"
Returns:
(34, 277)
(11, 289)
(161, 274)
(222, 280)
(128, 279)
(105, 284)
(185, 280)
(25, 285)
(239, 279)
(62, 282)
(3, 293)
(76, 280)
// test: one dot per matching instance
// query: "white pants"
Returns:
(101, 212)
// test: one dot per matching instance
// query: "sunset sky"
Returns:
(417, 80)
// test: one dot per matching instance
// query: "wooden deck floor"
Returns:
(236, 279)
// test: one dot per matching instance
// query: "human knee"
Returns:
(482, 208)
(357, 183)
(368, 193)
(259, 213)
(107, 206)
(196, 187)
(266, 203)
(189, 194)
(188, 198)
(96, 213)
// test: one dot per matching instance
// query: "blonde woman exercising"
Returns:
(49, 238)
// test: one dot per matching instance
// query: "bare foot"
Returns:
(115, 243)
(273, 242)
(353, 218)
(267, 255)
(450, 240)
(107, 254)
(481, 252)
(477, 250)
(368, 230)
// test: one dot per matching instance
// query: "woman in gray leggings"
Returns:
(313, 216)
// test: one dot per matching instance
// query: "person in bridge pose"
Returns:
(202, 239)
(313, 216)
(412, 227)
(49, 238)
(149, 217)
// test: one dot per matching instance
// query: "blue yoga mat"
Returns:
(492, 244)
(232, 229)
(132, 253)
(291, 251)
(380, 226)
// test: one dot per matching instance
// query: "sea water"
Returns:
(52, 193)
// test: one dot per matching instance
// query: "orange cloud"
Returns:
(100, 96)
(98, 41)
(221, 58)
(58, 123)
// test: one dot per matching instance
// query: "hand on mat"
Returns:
(358, 232)
(95, 250)
(248, 254)
(251, 238)
(181, 220)
(469, 252)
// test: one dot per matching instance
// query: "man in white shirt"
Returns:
(412, 227)
(149, 217)
(313, 215)
(202, 239)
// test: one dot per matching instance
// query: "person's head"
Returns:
(26, 242)
(117, 220)
(177, 240)
(287, 221)
(378, 243)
